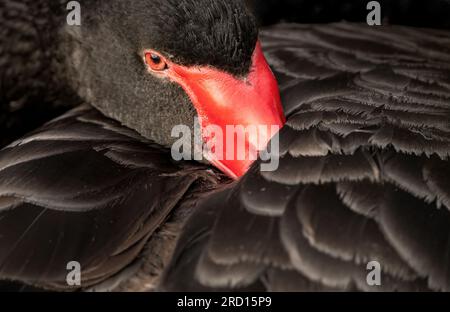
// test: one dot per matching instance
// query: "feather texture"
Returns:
(363, 176)
(84, 189)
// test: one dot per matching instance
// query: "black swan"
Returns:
(363, 174)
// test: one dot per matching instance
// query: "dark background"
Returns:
(419, 13)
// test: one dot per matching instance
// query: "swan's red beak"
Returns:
(238, 116)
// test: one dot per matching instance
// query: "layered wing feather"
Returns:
(85, 189)
(364, 172)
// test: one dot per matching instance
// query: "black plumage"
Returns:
(363, 172)
(85, 189)
(49, 66)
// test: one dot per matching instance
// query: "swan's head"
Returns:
(157, 65)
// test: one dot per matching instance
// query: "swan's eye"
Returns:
(155, 61)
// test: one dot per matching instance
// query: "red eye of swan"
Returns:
(155, 61)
